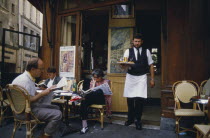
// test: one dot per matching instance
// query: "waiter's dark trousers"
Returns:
(135, 108)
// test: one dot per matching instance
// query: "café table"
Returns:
(199, 100)
(204, 102)
(67, 96)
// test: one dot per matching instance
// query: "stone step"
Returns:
(121, 118)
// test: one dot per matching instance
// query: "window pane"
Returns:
(13, 8)
(154, 50)
(68, 31)
(155, 58)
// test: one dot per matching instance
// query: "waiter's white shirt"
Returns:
(136, 86)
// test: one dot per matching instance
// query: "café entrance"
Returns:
(101, 49)
(95, 39)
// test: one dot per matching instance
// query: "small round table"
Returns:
(204, 102)
(197, 99)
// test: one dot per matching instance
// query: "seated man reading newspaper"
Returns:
(44, 112)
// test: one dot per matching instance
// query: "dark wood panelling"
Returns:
(196, 56)
(184, 52)
(147, 5)
(185, 49)
(177, 42)
(167, 103)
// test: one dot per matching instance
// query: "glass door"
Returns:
(70, 39)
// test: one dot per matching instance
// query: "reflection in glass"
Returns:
(155, 58)
(122, 11)
(154, 50)
(68, 31)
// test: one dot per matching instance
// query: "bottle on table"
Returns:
(74, 86)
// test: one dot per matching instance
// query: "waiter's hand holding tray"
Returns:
(126, 63)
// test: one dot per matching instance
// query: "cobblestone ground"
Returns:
(109, 131)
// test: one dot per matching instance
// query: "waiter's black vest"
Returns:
(140, 67)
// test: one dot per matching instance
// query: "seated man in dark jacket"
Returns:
(53, 79)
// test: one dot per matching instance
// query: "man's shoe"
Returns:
(128, 123)
(138, 125)
(84, 130)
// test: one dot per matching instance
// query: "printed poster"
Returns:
(67, 61)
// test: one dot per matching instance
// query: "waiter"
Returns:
(136, 80)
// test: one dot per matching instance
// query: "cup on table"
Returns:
(203, 96)
(121, 59)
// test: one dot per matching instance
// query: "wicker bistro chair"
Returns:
(4, 105)
(203, 131)
(19, 100)
(80, 85)
(99, 116)
(183, 91)
(203, 93)
(202, 90)
(99, 113)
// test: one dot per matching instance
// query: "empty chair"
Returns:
(183, 91)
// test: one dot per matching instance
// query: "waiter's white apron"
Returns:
(135, 86)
